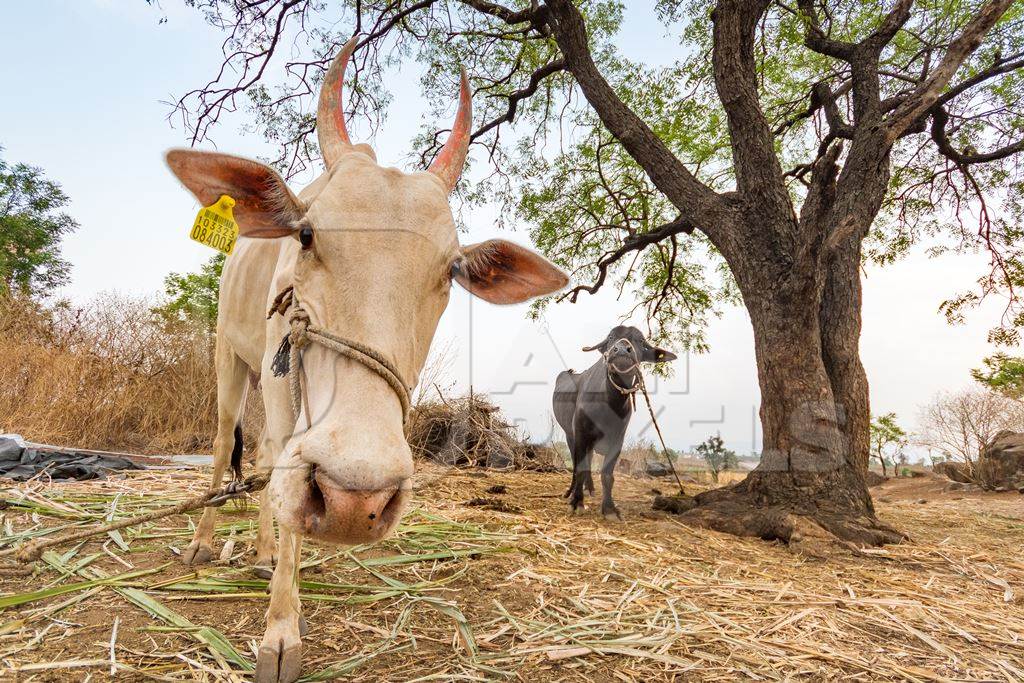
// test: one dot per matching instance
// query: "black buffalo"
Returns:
(594, 407)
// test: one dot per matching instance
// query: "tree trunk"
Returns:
(840, 341)
(809, 486)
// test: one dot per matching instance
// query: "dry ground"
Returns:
(519, 589)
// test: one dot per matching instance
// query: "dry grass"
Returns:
(109, 374)
(467, 592)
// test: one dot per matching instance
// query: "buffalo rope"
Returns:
(630, 392)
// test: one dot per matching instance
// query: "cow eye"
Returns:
(306, 236)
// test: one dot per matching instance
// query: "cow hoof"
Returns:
(612, 516)
(279, 662)
(197, 553)
(262, 571)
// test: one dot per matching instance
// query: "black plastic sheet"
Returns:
(21, 463)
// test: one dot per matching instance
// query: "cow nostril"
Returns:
(393, 504)
(316, 504)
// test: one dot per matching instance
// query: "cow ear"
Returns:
(658, 355)
(601, 346)
(264, 206)
(501, 272)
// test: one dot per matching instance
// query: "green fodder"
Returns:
(109, 375)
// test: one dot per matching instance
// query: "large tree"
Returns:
(789, 141)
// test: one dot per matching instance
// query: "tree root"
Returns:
(814, 531)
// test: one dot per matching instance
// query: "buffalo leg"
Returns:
(579, 460)
(232, 376)
(588, 473)
(280, 655)
(572, 453)
(608, 508)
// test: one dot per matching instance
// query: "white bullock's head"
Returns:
(372, 253)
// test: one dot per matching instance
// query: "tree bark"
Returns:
(840, 338)
(809, 488)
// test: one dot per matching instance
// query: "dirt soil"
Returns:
(519, 589)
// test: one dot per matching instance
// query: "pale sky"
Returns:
(84, 89)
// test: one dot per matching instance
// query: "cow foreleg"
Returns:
(608, 508)
(266, 542)
(232, 375)
(280, 655)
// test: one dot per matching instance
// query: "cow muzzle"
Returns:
(336, 514)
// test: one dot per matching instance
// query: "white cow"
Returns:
(370, 254)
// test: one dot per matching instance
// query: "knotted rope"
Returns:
(288, 359)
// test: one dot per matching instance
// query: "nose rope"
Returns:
(288, 359)
(637, 382)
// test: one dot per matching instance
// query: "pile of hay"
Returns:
(471, 432)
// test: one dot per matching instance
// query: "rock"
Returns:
(1001, 462)
(961, 486)
(873, 478)
(955, 471)
(658, 469)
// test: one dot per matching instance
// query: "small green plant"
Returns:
(717, 456)
(885, 433)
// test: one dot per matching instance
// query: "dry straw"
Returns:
(472, 593)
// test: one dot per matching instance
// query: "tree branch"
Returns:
(929, 91)
(632, 243)
(892, 23)
(818, 40)
(701, 205)
(758, 173)
(939, 120)
(516, 97)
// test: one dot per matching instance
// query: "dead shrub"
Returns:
(470, 431)
(106, 375)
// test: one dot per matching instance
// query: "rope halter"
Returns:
(638, 381)
(288, 359)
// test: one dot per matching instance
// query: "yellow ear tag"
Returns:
(215, 225)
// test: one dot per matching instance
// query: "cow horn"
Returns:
(452, 157)
(330, 112)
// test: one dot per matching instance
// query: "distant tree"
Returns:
(717, 456)
(1003, 374)
(962, 423)
(885, 433)
(31, 230)
(192, 297)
